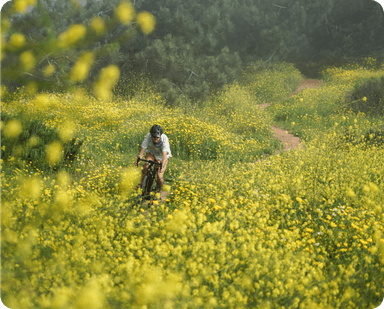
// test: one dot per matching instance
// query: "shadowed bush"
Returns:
(373, 90)
(31, 144)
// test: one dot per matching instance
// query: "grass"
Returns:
(302, 229)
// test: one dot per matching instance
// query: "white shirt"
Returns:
(157, 151)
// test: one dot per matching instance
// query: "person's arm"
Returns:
(144, 146)
(165, 161)
(140, 155)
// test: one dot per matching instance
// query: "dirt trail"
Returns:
(290, 141)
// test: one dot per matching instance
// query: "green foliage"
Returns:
(198, 46)
(373, 90)
(31, 144)
(56, 34)
(314, 69)
(310, 221)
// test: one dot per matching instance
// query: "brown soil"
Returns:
(290, 141)
(163, 195)
(307, 83)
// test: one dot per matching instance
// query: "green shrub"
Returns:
(30, 145)
(373, 90)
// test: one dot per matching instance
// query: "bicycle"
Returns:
(150, 183)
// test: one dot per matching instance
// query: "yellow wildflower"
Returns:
(81, 68)
(42, 101)
(373, 188)
(129, 178)
(32, 87)
(98, 25)
(125, 12)
(366, 189)
(17, 40)
(49, 70)
(107, 80)
(31, 188)
(350, 193)
(166, 188)
(216, 207)
(12, 129)
(20, 6)
(72, 35)
(66, 131)
(54, 152)
(33, 141)
(3, 90)
(27, 60)
(146, 22)
(63, 179)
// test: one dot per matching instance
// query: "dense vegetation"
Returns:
(241, 227)
(301, 229)
(196, 47)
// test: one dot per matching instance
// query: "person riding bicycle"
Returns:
(156, 146)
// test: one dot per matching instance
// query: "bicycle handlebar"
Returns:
(149, 161)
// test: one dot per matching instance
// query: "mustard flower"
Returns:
(125, 12)
(72, 35)
(27, 60)
(146, 22)
(12, 129)
(17, 40)
(49, 70)
(54, 152)
(81, 68)
(97, 24)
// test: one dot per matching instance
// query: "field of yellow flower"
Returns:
(241, 227)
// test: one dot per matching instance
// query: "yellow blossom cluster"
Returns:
(20, 6)
(146, 22)
(27, 60)
(98, 25)
(72, 35)
(82, 66)
(17, 40)
(125, 12)
(303, 229)
(108, 78)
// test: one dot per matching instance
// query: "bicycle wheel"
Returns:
(147, 187)
(157, 187)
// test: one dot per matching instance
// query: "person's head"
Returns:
(156, 132)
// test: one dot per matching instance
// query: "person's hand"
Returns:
(137, 161)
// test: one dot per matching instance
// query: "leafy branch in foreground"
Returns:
(39, 55)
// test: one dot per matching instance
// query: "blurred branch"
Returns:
(270, 57)
(34, 76)
(281, 7)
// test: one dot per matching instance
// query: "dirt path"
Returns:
(307, 83)
(290, 141)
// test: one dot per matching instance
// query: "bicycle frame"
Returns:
(150, 183)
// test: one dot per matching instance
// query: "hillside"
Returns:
(242, 226)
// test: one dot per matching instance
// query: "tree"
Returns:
(55, 44)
